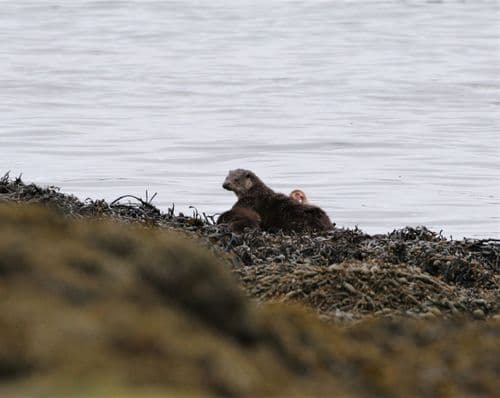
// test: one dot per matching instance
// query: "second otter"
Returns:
(239, 219)
(299, 196)
(277, 211)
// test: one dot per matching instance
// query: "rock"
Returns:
(436, 311)
(349, 287)
(479, 314)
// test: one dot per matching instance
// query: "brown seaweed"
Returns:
(343, 274)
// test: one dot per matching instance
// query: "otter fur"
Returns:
(277, 211)
(239, 218)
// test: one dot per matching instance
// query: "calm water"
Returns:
(387, 113)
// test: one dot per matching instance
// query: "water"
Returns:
(387, 113)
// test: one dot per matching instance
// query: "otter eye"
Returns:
(248, 175)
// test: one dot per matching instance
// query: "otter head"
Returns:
(299, 196)
(240, 181)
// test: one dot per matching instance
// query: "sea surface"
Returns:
(386, 113)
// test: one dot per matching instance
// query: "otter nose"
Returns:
(226, 185)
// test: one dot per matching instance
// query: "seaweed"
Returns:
(342, 274)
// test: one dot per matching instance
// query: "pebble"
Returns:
(349, 287)
(479, 314)
(436, 311)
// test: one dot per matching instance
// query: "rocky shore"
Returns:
(343, 274)
(407, 313)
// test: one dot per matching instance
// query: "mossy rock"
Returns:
(105, 309)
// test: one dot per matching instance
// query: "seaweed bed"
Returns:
(343, 274)
(92, 307)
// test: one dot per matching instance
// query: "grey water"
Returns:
(386, 113)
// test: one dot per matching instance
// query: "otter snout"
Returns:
(227, 186)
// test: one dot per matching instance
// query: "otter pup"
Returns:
(276, 210)
(299, 196)
(240, 218)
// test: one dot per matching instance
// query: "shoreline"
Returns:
(343, 275)
(119, 299)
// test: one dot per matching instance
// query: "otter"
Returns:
(276, 210)
(299, 196)
(239, 218)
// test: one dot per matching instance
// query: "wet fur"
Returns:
(278, 211)
(240, 218)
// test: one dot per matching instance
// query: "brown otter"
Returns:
(277, 211)
(299, 196)
(240, 218)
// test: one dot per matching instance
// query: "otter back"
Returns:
(279, 212)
